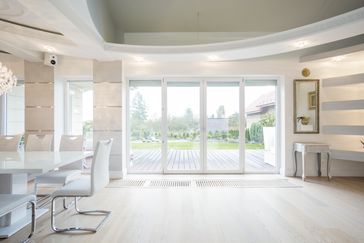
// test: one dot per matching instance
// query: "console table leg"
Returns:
(303, 166)
(328, 166)
(295, 162)
(319, 164)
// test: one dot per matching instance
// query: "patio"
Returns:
(149, 160)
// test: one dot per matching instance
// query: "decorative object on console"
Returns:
(304, 120)
(7, 79)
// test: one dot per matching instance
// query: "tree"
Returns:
(188, 116)
(138, 108)
(220, 112)
(234, 121)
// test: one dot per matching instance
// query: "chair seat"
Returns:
(9, 202)
(57, 176)
(76, 188)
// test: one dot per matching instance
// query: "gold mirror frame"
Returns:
(311, 103)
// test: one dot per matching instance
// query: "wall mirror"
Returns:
(306, 106)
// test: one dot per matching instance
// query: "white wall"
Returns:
(288, 69)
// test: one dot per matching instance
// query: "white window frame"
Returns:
(203, 120)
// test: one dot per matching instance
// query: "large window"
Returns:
(197, 125)
(15, 110)
(80, 110)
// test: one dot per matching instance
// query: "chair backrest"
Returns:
(100, 165)
(71, 143)
(10, 142)
(39, 142)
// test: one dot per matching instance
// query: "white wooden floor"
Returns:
(150, 160)
(319, 211)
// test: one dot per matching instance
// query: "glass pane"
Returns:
(81, 110)
(260, 131)
(183, 105)
(15, 110)
(145, 126)
(223, 126)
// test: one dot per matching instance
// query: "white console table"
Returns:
(311, 147)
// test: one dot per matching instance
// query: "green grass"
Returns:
(193, 145)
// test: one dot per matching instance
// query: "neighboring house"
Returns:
(263, 105)
(218, 124)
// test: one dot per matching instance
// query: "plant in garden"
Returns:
(268, 120)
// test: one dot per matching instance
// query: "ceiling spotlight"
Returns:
(301, 44)
(49, 49)
(213, 58)
(338, 58)
(139, 59)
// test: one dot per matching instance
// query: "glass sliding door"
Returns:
(145, 115)
(260, 130)
(183, 126)
(80, 111)
(223, 126)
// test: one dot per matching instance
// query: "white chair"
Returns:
(10, 202)
(65, 173)
(86, 187)
(39, 142)
(10, 142)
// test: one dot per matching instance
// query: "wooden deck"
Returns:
(188, 160)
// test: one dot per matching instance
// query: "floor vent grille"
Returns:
(129, 183)
(169, 183)
(203, 183)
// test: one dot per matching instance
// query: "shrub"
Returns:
(256, 132)
(247, 135)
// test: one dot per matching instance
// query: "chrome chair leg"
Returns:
(33, 204)
(104, 213)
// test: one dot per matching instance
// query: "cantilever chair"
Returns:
(86, 188)
(10, 202)
(10, 142)
(39, 142)
(65, 173)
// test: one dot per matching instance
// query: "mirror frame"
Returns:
(317, 85)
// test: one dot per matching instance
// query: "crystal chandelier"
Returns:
(7, 79)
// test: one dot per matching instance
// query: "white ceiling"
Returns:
(85, 27)
(223, 15)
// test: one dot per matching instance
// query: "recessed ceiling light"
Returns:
(139, 59)
(338, 58)
(301, 44)
(213, 57)
(49, 49)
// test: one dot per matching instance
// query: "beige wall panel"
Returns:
(107, 94)
(107, 118)
(39, 119)
(37, 72)
(107, 71)
(115, 163)
(39, 94)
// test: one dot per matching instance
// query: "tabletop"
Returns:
(38, 161)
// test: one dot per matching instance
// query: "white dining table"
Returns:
(14, 170)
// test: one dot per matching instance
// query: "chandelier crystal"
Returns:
(7, 79)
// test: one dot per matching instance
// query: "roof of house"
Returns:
(265, 100)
